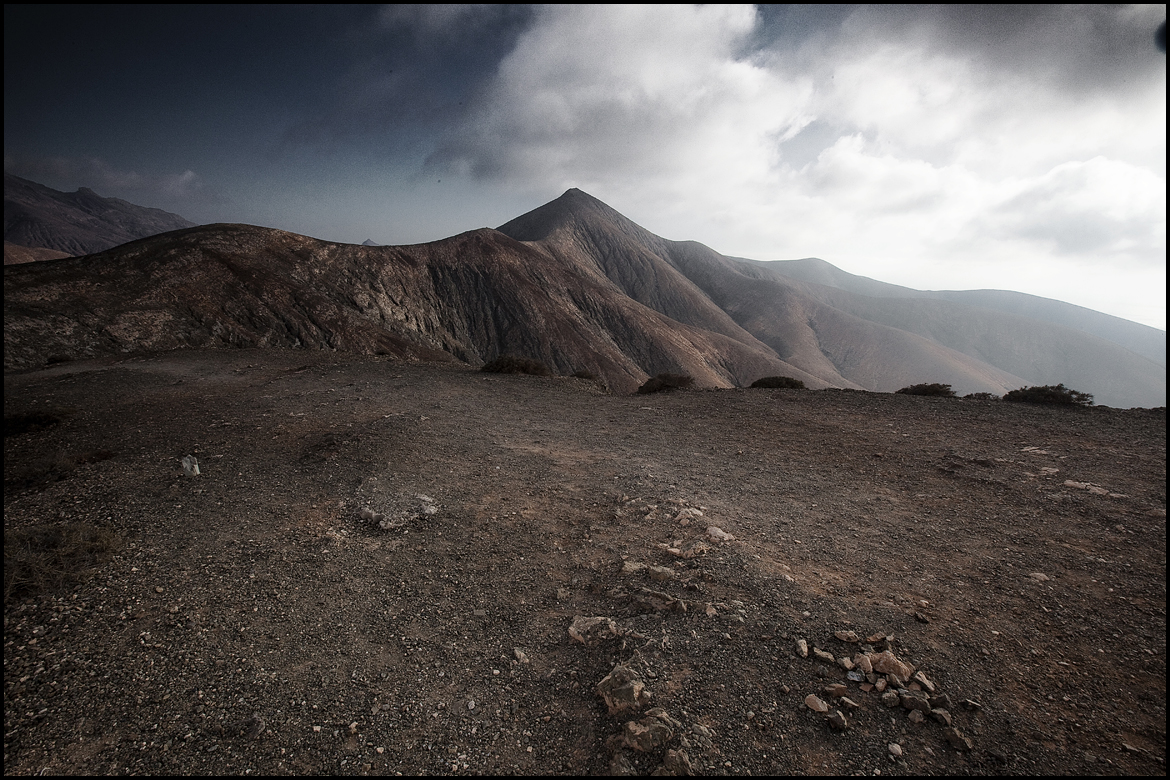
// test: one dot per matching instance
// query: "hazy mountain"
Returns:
(572, 283)
(1142, 339)
(77, 223)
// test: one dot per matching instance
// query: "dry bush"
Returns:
(1049, 394)
(511, 364)
(663, 382)
(940, 391)
(781, 382)
(48, 558)
(981, 397)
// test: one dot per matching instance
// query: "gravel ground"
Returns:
(258, 617)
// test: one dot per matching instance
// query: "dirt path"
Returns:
(249, 619)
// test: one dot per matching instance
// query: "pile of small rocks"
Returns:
(882, 672)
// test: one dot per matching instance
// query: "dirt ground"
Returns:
(257, 618)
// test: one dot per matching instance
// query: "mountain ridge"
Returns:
(572, 283)
(77, 223)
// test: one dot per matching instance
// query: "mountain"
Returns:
(573, 284)
(1142, 339)
(76, 223)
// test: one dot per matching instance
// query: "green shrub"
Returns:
(1049, 394)
(941, 391)
(511, 364)
(782, 382)
(661, 382)
(981, 397)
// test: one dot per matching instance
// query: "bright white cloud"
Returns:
(935, 168)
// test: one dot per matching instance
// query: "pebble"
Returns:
(895, 750)
(846, 636)
(916, 716)
(890, 699)
(802, 648)
(942, 716)
(836, 690)
(838, 721)
(815, 704)
(823, 656)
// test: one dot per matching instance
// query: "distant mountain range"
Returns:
(577, 286)
(76, 223)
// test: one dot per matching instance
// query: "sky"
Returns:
(936, 147)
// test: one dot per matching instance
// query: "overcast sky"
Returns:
(938, 147)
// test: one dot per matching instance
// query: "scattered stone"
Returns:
(920, 678)
(942, 701)
(837, 721)
(914, 700)
(957, 740)
(836, 690)
(675, 763)
(651, 732)
(916, 716)
(814, 703)
(710, 611)
(563, 594)
(191, 466)
(633, 567)
(888, 663)
(1038, 576)
(821, 655)
(856, 676)
(941, 715)
(659, 601)
(802, 648)
(880, 684)
(520, 656)
(686, 515)
(895, 750)
(717, 534)
(621, 766)
(623, 690)
(972, 705)
(891, 699)
(845, 663)
(848, 703)
(662, 573)
(585, 629)
(873, 639)
(846, 636)
(696, 548)
(861, 661)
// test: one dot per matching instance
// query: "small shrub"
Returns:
(1049, 394)
(782, 382)
(981, 397)
(941, 391)
(511, 364)
(45, 558)
(661, 382)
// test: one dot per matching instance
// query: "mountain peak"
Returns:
(573, 208)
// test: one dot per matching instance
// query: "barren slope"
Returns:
(250, 620)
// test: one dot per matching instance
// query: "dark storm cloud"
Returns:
(1079, 48)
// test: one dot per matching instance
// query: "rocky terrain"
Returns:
(294, 561)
